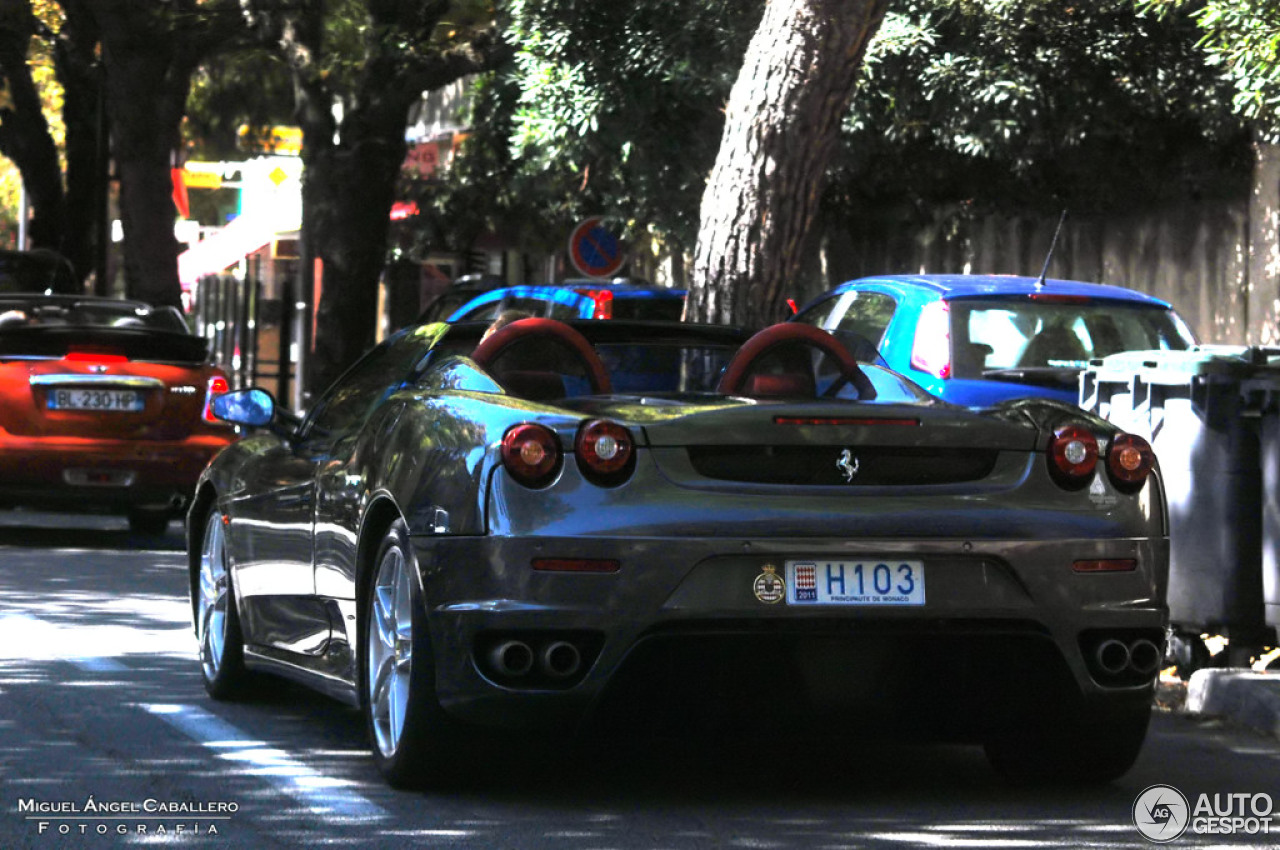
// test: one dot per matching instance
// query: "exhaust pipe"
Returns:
(1112, 657)
(1144, 657)
(512, 658)
(561, 659)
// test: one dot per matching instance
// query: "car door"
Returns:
(292, 487)
(269, 528)
(343, 443)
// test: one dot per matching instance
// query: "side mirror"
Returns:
(254, 408)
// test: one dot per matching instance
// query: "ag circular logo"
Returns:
(1161, 813)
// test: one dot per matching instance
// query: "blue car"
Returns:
(977, 340)
(577, 300)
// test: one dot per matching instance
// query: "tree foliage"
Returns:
(26, 137)
(357, 67)
(1016, 105)
(49, 62)
(1242, 38)
(606, 109)
(236, 97)
(1037, 104)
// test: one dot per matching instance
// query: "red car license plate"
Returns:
(82, 399)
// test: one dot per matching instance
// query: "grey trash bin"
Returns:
(1189, 406)
(1261, 395)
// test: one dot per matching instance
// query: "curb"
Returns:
(1248, 698)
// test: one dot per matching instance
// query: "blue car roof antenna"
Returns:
(1044, 272)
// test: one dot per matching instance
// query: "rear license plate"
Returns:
(82, 399)
(855, 582)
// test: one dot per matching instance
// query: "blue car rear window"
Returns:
(994, 335)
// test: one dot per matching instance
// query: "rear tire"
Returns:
(1090, 746)
(411, 737)
(216, 616)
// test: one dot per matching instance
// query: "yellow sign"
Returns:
(201, 179)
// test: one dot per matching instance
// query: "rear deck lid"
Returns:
(101, 383)
(835, 444)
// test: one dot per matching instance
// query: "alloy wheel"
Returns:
(390, 650)
(211, 626)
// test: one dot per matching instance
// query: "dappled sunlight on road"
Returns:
(102, 696)
(78, 612)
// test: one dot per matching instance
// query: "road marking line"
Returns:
(322, 794)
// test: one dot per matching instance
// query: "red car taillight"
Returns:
(1129, 462)
(605, 452)
(217, 386)
(531, 454)
(931, 350)
(1073, 455)
(95, 355)
(603, 299)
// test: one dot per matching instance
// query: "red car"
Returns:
(104, 407)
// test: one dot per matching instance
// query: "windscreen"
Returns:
(40, 313)
(664, 367)
(49, 327)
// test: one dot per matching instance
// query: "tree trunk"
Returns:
(147, 84)
(782, 127)
(350, 176)
(24, 133)
(149, 51)
(75, 57)
(347, 195)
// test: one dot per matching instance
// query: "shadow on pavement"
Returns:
(82, 531)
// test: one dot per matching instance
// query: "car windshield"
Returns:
(18, 313)
(991, 336)
(446, 304)
(664, 367)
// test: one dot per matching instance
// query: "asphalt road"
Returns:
(100, 700)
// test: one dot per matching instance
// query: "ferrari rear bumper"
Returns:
(695, 623)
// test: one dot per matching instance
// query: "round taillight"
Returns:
(1129, 462)
(531, 453)
(217, 386)
(1073, 454)
(605, 452)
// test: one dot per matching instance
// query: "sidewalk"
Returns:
(1242, 696)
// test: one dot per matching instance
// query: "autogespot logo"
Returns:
(1161, 813)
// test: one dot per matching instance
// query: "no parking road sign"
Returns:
(594, 250)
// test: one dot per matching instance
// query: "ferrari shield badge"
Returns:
(769, 587)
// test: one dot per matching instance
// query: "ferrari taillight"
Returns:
(1129, 462)
(531, 454)
(1073, 454)
(931, 349)
(217, 386)
(605, 452)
